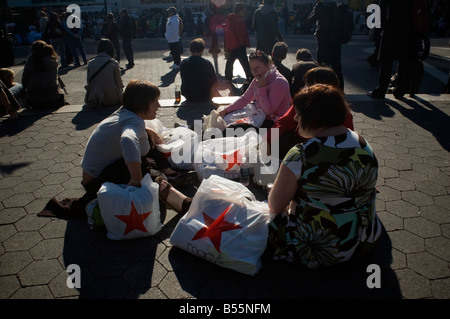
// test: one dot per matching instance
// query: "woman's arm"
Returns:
(135, 173)
(242, 101)
(283, 190)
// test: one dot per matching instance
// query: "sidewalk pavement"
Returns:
(40, 159)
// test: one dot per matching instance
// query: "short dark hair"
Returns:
(321, 74)
(260, 55)
(138, 94)
(197, 45)
(303, 55)
(320, 106)
(280, 50)
(105, 45)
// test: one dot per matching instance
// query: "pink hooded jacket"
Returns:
(274, 98)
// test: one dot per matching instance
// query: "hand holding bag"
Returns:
(225, 225)
(128, 211)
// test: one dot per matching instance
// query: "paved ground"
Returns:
(40, 157)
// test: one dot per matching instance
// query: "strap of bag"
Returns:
(98, 71)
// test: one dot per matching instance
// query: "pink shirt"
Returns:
(274, 98)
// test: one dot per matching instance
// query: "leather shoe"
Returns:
(376, 94)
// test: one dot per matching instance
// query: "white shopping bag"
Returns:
(247, 115)
(224, 155)
(178, 144)
(225, 225)
(128, 211)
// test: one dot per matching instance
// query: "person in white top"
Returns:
(173, 36)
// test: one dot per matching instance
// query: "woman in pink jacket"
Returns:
(269, 90)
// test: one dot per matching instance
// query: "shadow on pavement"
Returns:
(282, 280)
(427, 116)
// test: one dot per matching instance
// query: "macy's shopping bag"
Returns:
(225, 225)
(178, 144)
(128, 211)
(249, 114)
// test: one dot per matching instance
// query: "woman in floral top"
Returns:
(324, 194)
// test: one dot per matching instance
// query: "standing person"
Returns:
(237, 41)
(75, 40)
(104, 82)
(284, 18)
(328, 43)
(54, 30)
(127, 30)
(40, 78)
(43, 20)
(397, 43)
(173, 36)
(325, 190)
(111, 32)
(198, 77)
(265, 23)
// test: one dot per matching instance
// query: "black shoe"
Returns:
(129, 65)
(376, 94)
(398, 94)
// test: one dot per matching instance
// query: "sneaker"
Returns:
(175, 67)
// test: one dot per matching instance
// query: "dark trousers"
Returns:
(329, 54)
(118, 173)
(175, 50)
(240, 54)
(128, 49)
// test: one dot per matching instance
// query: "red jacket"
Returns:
(236, 32)
(288, 123)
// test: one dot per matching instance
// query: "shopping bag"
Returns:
(213, 122)
(128, 211)
(225, 225)
(178, 144)
(249, 114)
(225, 155)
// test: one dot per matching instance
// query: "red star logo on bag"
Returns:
(231, 159)
(134, 220)
(215, 228)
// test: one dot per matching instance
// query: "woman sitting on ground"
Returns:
(324, 194)
(118, 148)
(40, 78)
(287, 125)
(7, 76)
(269, 89)
(104, 81)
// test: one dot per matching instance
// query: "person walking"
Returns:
(237, 41)
(173, 36)
(265, 23)
(328, 44)
(397, 43)
(75, 40)
(126, 27)
(54, 31)
(111, 31)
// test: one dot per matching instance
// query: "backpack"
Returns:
(421, 17)
(344, 23)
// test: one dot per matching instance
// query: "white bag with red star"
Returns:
(223, 156)
(225, 225)
(128, 211)
(247, 115)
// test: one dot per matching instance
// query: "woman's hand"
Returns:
(262, 81)
(223, 113)
(154, 136)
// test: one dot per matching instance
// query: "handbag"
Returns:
(130, 212)
(225, 225)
